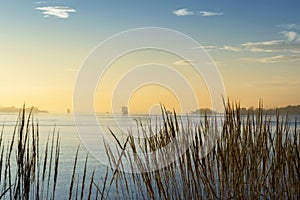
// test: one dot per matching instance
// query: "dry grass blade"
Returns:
(73, 175)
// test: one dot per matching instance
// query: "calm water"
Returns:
(70, 139)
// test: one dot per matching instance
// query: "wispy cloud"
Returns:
(231, 48)
(207, 48)
(274, 59)
(266, 46)
(291, 36)
(40, 2)
(265, 43)
(209, 13)
(183, 12)
(289, 43)
(203, 13)
(56, 11)
(280, 59)
(184, 62)
(289, 26)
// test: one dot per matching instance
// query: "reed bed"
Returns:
(248, 157)
(29, 171)
(25, 172)
(249, 160)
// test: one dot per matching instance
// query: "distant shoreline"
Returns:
(14, 109)
(244, 111)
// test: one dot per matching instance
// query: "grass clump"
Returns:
(251, 159)
(24, 172)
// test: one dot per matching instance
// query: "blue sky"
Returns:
(256, 44)
(241, 22)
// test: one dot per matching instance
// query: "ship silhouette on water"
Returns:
(124, 110)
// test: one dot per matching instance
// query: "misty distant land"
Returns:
(291, 110)
(14, 109)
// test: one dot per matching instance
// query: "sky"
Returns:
(254, 44)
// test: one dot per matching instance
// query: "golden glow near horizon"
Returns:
(149, 98)
(50, 87)
(118, 86)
